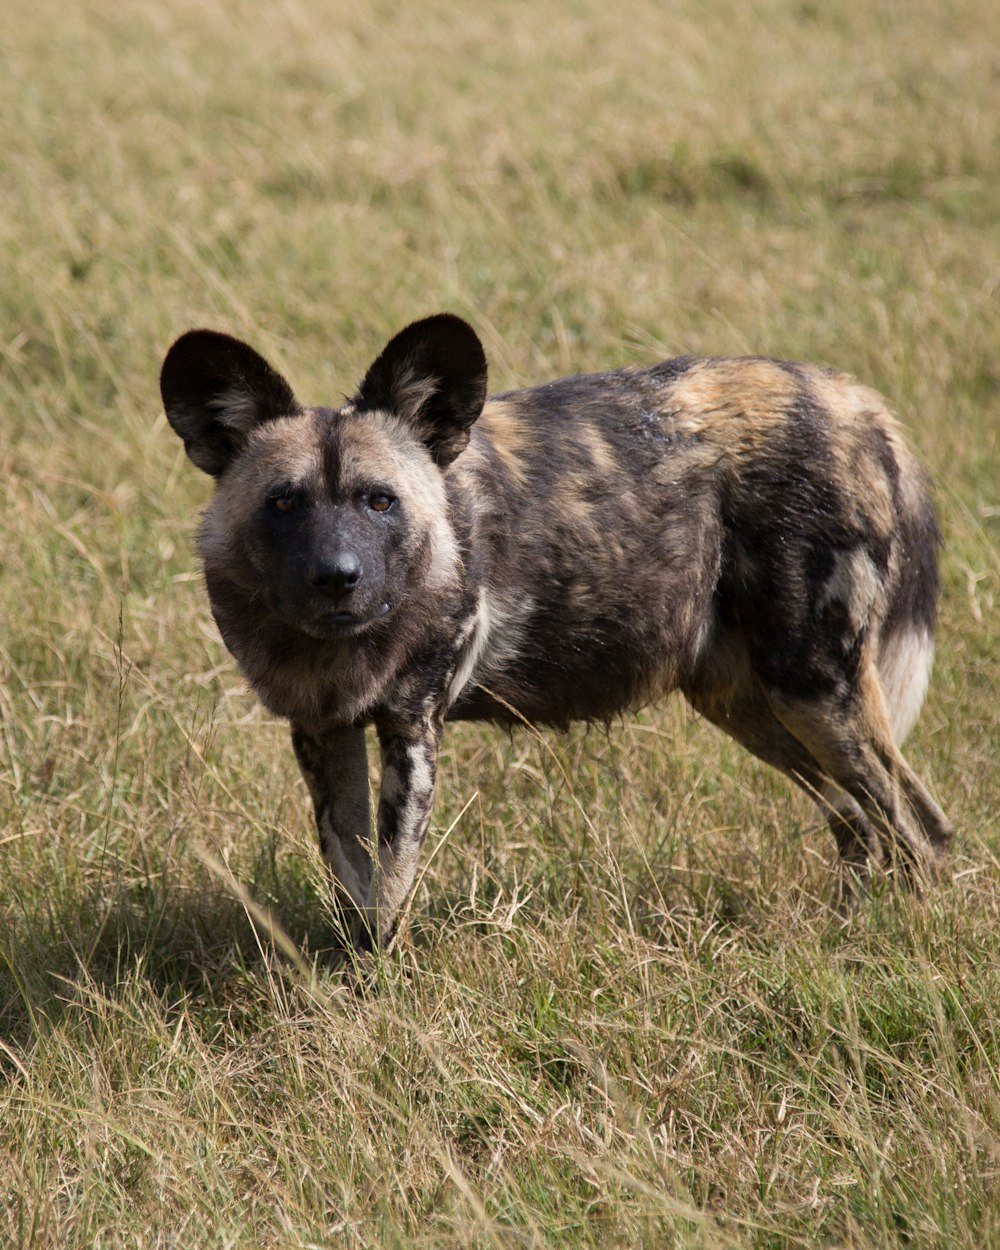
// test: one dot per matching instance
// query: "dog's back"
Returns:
(627, 525)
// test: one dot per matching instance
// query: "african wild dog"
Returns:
(751, 532)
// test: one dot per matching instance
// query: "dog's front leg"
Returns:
(409, 754)
(334, 764)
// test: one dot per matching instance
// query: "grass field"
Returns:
(621, 1012)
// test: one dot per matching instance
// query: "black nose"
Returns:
(338, 574)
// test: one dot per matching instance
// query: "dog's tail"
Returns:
(906, 638)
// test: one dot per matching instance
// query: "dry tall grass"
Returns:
(621, 1014)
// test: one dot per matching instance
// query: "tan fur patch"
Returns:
(735, 403)
(510, 436)
(602, 458)
(854, 409)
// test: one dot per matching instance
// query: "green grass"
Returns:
(621, 1013)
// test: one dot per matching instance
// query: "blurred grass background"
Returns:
(621, 1014)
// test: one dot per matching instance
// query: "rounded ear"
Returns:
(433, 376)
(215, 390)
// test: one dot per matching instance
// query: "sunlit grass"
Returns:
(621, 1012)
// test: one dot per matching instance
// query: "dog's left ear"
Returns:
(433, 376)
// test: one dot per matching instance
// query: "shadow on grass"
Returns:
(189, 942)
(180, 943)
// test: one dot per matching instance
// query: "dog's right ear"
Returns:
(215, 391)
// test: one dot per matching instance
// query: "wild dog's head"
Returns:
(328, 518)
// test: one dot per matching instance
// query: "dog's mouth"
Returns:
(342, 622)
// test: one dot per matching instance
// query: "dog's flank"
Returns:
(753, 533)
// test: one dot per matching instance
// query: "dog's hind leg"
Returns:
(746, 715)
(849, 735)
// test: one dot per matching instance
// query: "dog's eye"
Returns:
(283, 503)
(379, 501)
